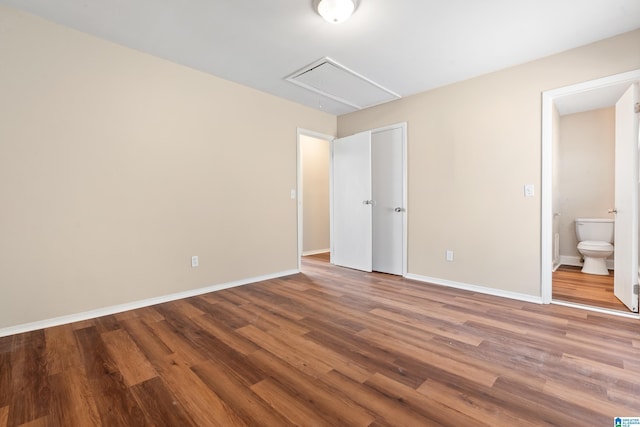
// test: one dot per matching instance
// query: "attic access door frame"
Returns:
(549, 99)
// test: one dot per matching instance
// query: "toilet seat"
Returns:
(592, 245)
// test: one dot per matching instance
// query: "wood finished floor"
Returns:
(328, 347)
(571, 285)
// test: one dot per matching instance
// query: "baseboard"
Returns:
(114, 309)
(476, 288)
(316, 252)
(597, 309)
(576, 261)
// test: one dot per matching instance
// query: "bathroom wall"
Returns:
(315, 194)
(586, 172)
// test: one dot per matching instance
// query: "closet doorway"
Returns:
(369, 200)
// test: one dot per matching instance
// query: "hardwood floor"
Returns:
(328, 347)
(570, 284)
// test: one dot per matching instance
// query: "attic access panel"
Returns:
(328, 78)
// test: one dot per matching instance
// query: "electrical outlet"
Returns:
(449, 256)
(195, 262)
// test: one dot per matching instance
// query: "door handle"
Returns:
(398, 209)
(613, 211)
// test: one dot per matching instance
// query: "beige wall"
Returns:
(471, 147)
(586, 171)
(315, 194)
(116, 167)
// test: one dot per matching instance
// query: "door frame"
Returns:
(299, 187)
(405, 199)
(549, 99)
(300, 195)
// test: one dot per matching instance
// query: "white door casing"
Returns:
(549, 99)
(626, 199)
(351, 202)
(299, 184)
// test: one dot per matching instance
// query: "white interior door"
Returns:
(626, 200)
(387, 162)
(351, 203)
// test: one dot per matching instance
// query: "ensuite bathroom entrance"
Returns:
(590, 194)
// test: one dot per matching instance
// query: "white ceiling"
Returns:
(592, 99)
(406, 46)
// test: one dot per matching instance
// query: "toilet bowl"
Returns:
(595, 237)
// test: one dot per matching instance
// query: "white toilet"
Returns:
(595, 238)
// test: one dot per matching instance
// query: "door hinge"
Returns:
(636, 108)
(636, 289)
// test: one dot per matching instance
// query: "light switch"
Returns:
(449, 255)
(528, 190)
(293, 194)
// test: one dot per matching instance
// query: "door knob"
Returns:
(399, 210)
(614, 211)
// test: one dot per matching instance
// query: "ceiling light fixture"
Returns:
(335, 11)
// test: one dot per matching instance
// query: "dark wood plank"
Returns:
(204, 406)
(62, 351)
(6, 385)
(232, 388)
(326, 347)
(145, 338)
(113, 398)
(130, 361)
(159, 405)
(328, 403)
(73, 403)
(30, 396)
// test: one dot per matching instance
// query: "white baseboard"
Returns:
(476, 288)
(628, 314)
(114, 309)
(316, 252)
(576, 261)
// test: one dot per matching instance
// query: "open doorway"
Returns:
(584, 171)
(603, 181)
(314, 205)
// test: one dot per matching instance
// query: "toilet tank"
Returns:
(594, 229)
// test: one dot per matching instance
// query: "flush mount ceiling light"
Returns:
(335, 11)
